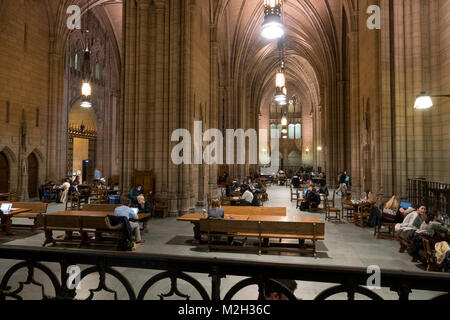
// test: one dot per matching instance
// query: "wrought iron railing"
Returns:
(435, 195)
(174, 268)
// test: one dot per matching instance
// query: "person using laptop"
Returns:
(132, 215)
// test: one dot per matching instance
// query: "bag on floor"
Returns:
(374, 218)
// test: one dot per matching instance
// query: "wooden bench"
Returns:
(36, 208)
(82, 225)
(255, 211)
(262, 230)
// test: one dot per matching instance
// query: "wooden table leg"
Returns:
(7, 222)
(145, 226)
(48, 238)
(197, 233)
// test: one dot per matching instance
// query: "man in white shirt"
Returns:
(247, 197)
(129, 213)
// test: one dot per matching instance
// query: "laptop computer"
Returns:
(6, 207)
(406, 205)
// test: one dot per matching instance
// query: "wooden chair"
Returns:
(225, 201)
(294, 193)
(13, 197)
(429, 257)
(358, 217)
(378, 230)
(347, 208)
(74, 199)
(332, 209)
(162, 205)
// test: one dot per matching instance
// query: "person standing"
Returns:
(342, 183)
(64, 191)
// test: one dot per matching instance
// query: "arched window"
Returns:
(291, 108)
(273, 131)
(291, 132)
(298, 131)
(76, 61)
(280, 128)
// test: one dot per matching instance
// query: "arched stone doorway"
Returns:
(82, 144)
(4, 173)
(33, 176)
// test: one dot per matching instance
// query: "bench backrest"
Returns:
(63, 222)
(229, 226)
(101, 207)
(276, 228)
(97, 223)
(293, 228)
(35, 207)
(255, 211)
(73, 222)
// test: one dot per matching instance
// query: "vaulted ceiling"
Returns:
(311, 45)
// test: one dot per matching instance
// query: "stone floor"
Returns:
(345, 245)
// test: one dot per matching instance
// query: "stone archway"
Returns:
(82, 143)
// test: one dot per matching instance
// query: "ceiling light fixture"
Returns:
(272, 27)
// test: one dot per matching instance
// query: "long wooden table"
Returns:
(6, 221)
(80, 213)
(195, 218)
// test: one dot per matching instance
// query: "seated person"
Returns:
(250, 185)
(144, 207)
(134, 193)
(312, 200)
(433, 227)
(443, 255)
(272, 292)
(390, 212)
(407, 229)
(129, 213)
(247, 196)
(216, 212)
(296, 182)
